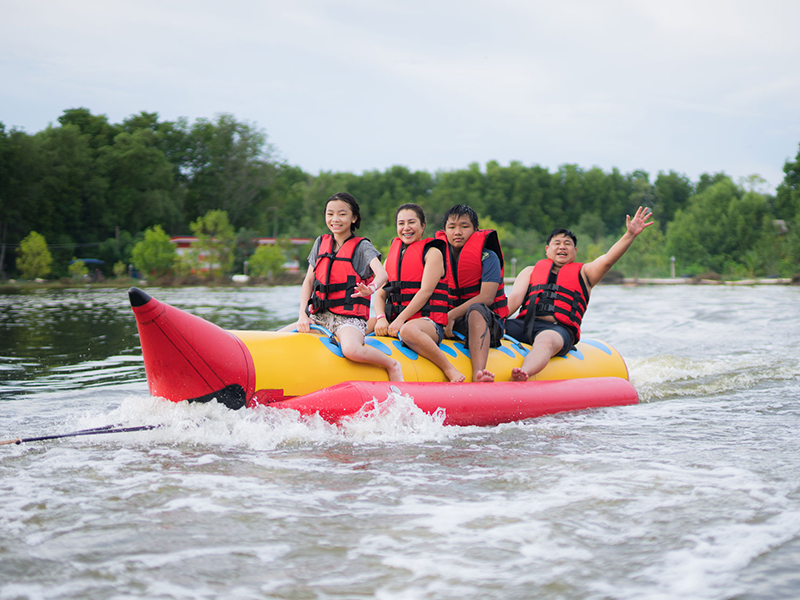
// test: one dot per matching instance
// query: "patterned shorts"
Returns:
(333, 322)
(494, 324)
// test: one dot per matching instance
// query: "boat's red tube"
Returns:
(471, 403)
(187, 357)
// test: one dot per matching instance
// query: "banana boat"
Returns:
(190, 359)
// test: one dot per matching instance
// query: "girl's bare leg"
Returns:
(420, 335)
(351, 341)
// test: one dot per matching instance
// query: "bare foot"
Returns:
(395, 372)
(454, 375)
(518, 374)
(484, 376)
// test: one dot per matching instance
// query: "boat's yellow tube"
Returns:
(301, 364)
(188, 358)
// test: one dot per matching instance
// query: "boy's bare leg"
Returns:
(479, 342)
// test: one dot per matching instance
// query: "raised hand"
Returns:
(363, 291)
(639, 221)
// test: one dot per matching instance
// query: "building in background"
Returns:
(184, 243)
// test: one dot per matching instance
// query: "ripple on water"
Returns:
(695, 495)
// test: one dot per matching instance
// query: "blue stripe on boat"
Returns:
(379, 345)
(407, 352)
(599, 345)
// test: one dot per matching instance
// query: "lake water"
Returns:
(692, 494)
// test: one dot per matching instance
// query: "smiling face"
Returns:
(561, 250)
(339, 218)
(409, 226)
(458, 230)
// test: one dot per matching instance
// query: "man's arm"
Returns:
(519, 291)
(594, 271)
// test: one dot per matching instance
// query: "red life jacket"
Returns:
(405, 266)
(335, 280)
(464, 271)
(563, 295)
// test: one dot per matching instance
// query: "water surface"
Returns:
(693, 493)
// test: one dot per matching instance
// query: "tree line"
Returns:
(95, 189)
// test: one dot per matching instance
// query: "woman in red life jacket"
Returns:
(343, 272)
(554, 292)
(413, 306)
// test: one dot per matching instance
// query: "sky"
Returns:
(694, 86)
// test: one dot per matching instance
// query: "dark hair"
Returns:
(559, 231)
(459, 210)
(411, 206)
(351, 202)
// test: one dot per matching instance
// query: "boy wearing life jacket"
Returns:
(554, 294)
(475, 282)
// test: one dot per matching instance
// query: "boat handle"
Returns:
(323, 330)
(511, 339)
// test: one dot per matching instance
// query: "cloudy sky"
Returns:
(687, 85)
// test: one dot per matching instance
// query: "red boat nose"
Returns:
(188, 358)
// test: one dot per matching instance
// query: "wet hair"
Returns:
(559, 231)
(351, 202)
(459, 210)
(411, 206)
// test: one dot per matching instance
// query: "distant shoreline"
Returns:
(692, 281)
(633, 281)
(124, 284)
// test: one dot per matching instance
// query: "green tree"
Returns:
(567, 203)
(719, 225)
(118, 248)
(787, 201)
(591, 227)
(646, 258)
(215, 242)
(34, 259)
(707, 180)
(155, 254)
(21, 203)
(754, 183)
(267, 261)
(465, 186)
(141, 189)
(672, 191)
(244, 246)
(792, 244)
(6, 162)
(67, 179)
(315, 192)
(286, 203)
(77, 269)
(642, 191)
(98, 130)
(229, 167)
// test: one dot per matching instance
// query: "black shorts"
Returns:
(493, 322)
(516, 329)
